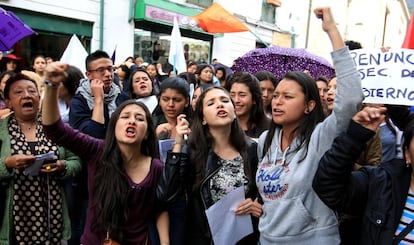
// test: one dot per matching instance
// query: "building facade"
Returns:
(143, 27)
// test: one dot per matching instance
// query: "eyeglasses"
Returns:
(102, 70)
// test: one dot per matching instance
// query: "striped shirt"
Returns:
(406, 218)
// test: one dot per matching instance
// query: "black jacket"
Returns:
(378, 194)
(199, 199)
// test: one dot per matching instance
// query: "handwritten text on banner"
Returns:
(387, 77)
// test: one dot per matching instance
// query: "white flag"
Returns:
(176, 54)
(75, 54)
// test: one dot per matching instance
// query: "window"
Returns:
(154, 47)
(202, 3)
(268, 12)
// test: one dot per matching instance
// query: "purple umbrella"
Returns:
(12, 29)
(279, 61)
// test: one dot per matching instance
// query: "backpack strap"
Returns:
(403, 233)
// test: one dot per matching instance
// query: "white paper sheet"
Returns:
(226, 227)
(34, 169)
(151, 102)
(165, 146)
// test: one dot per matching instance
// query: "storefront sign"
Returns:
(155, 13)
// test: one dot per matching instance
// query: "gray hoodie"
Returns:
(292, 212)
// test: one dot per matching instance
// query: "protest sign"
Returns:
(387, 77)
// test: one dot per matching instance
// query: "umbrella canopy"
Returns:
(279, 61)
(12, 29)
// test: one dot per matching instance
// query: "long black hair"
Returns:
(200, 141)
(178, 84)
(264, 76)
(200, 68)
(111, 186)
(257, 118)
(129, 89)
(71, 83)
(309, 122)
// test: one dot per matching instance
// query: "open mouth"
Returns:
(27, 105)
(130, 132)
(222, 113)
(277, 112)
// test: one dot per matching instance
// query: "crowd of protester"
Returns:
(81, 154)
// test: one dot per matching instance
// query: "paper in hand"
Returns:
(34, 169)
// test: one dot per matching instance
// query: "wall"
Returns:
(230, 46)
(363, 21)
(117, 31)
(80, 9)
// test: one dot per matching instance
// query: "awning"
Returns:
(158, 15)
(52, 23)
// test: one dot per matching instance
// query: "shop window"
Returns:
(47, 44)
(154, 47)
(268, 12)
(202, 3)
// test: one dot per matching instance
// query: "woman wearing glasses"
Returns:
(97, 96)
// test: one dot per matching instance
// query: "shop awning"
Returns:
(158, 15)
(52, 23)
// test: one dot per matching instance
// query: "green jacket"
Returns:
(73, 168)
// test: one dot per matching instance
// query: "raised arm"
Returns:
(329, 26)
(55, 74)
(349, 96)
(335, 182)
(174, 173)
(63, 135)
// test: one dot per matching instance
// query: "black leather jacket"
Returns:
(378, 194)
(175, 181)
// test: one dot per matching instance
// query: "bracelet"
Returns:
(49, 84)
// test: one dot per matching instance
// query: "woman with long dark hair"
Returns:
(290, 150)
(382, 195)
(174, 99)
(140, 85)
(205, 74)
(123, 169)
(247, 97)
(267, 83)
(220, 159)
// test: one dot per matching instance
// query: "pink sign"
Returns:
(168, 16)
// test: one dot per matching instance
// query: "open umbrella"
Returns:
(280, 60)
(12, 29)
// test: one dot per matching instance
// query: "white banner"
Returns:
(387, 77)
